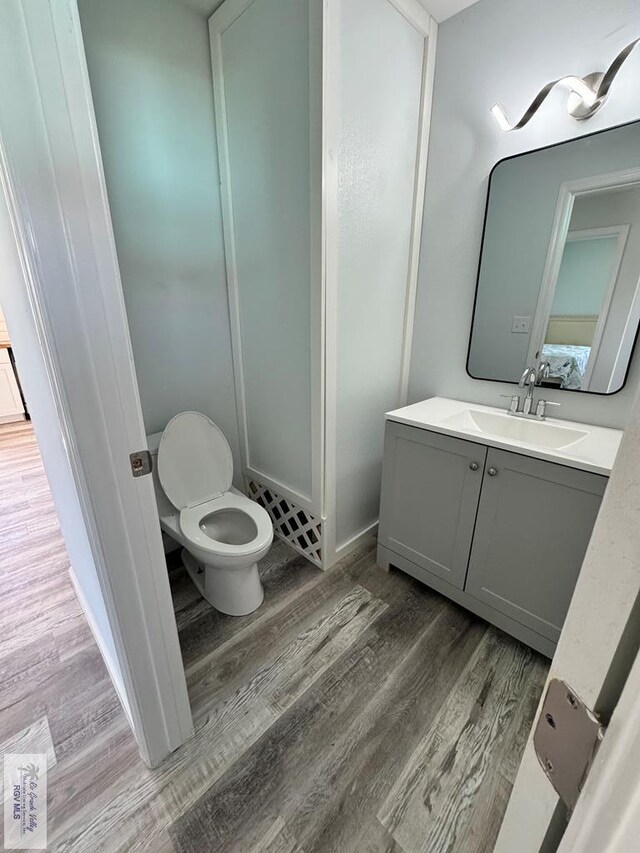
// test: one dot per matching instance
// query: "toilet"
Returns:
(223, 533)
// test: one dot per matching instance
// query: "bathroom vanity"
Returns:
(491, 510)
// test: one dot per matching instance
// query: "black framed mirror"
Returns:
(559, 272)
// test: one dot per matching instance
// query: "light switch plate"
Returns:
(521, 325)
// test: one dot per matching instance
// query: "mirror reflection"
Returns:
(560, 265)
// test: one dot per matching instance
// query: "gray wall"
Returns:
(150, 73)
(503, 51)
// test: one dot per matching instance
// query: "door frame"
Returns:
(621, 235)
(567, 194)
(52, 177)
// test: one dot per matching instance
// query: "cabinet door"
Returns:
(534, 523)
(10, 400)
(430, 490)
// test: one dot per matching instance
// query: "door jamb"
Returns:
(567, 194)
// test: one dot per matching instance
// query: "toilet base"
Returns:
(236, 592)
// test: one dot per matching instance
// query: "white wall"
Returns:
(266, 96)
(379, 88)
(598, 644)
(504, 51)
(150, 74)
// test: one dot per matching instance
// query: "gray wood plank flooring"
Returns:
(354, 711)
(56, 695)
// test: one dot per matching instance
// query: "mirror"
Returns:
(559, 267)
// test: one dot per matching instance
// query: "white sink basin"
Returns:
(584, 446)
(538, 433)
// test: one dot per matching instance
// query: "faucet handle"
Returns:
(541, 408)
(514, 401)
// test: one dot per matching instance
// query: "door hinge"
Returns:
(566, 740)
(141, 463)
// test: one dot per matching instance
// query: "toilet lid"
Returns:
(194, 460)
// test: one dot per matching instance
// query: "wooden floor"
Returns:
(354, 711)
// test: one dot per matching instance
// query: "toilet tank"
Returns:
(165, 508)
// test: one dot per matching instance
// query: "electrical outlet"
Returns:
(521, 325)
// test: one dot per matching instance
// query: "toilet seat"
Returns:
(194, 460)
(195, 469)
(191, 517)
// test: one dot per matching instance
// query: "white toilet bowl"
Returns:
(223, 533)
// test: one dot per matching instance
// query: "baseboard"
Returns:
(354, 541)
(112, 667)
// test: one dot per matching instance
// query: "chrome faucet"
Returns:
(544, 369)
(528, 380)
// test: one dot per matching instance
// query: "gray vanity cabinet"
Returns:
(534, 523)
(501, 533)
(430, 489)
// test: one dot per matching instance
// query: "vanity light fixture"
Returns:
(586, 94)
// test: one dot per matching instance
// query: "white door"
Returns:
(66, 311)
(607, 815)
(595, 653)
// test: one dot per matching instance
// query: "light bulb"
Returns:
(578, 85)
(500, 117)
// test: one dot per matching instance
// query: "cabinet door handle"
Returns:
(474, 466)
(492, 472)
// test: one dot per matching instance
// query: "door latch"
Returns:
(566, 740)
(141, 463)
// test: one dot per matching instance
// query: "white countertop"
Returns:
(595, 452)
